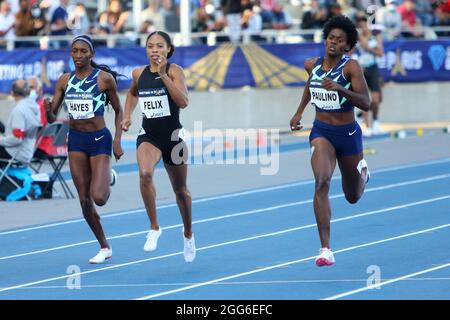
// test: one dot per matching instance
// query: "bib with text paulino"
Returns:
(154, 103)
(324, 99)
(80, 105)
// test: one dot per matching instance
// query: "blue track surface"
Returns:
(256, 245)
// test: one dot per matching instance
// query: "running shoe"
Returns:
(113, 177)
(102, 255)
(361, 165)
(325, 257)
(152, 240)
(189, 248)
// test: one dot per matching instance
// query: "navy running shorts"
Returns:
(92, 143)
(346, 139)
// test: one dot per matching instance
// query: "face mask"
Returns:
(33, 94)
(36, 12)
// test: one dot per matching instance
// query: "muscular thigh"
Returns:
(100, 172)
(323, 158)
(80, 168)
(148, 156)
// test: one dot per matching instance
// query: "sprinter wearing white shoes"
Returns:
(86, 92)
(335, 86)
(160, 88)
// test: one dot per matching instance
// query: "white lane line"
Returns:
(381, 284)
(207, 247)
(244, 213)
(234, 276)
(225, 196)
(229, 283)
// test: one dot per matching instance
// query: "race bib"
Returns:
(154, 103)
(80, 105)
(324, 99)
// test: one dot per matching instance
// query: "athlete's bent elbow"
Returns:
(366, 105)
(183, 104)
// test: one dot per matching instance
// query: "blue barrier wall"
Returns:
(228, 66)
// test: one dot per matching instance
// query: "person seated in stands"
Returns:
(410, 20)
(273, 14)
(20, 131)
(24, 25)
(117, 17)
(314, 17)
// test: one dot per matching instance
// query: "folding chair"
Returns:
(6, 164)
(57, 131)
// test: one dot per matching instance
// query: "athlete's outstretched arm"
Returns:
(306, 97)
(111, 91)
(132, 99)
(52, 106)
(175, 82)
(359, 95)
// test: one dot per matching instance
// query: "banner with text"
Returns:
(230, 66)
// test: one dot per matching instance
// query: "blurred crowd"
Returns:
(18, 18)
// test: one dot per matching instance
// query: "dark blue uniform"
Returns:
(84, 100)
(346, 139)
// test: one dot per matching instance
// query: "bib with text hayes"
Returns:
(80, 105)
(324, 99)
(154, 103)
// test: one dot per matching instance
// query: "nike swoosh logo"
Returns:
(334, 73)
(96, 139)
(352, 133)
(89, 81)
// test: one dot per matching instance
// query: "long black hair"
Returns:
(104, 67)
(345, 24)
(166, 38)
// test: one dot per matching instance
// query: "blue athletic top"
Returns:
(329, 101)
(83, 97)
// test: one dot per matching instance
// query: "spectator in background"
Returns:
(443, 13)
(78, 20)
(151, 18)
(232, 10)
(58, 24)
(204, 21)
(24, 25)
(209, 18)
(103, 26)
(314, 17)
(15, 7)
(335, 10)
(424, 12)
(364, 5)
(390, 18)
(37, 94)
(273, 15)
(117, 17)
(252, 21)
(7, 21)
(410, 21)
(39, 20)
(20, 132)
(347, 9)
